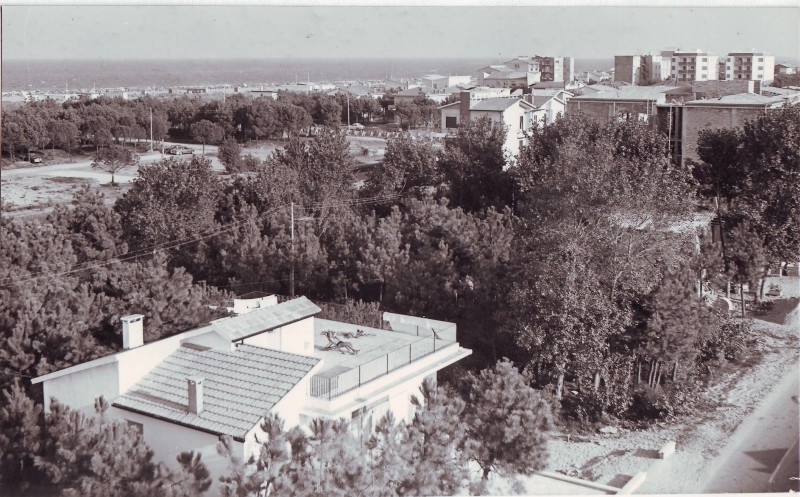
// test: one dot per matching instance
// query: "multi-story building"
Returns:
(694, 66)
(186, 391)
(514, 113)
(628, 68)
(556, 68)
(551, 68)
(756, 66)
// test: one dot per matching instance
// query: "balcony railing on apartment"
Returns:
(328, 388)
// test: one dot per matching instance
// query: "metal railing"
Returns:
(328, 388)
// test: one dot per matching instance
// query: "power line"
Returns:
(195, 238)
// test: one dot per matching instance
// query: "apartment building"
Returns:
(755, 66)
(641, 69)
(694, 66)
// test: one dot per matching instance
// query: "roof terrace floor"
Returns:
(375, 344)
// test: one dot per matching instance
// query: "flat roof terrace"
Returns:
(379, 353)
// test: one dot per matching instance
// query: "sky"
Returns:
(251, 31)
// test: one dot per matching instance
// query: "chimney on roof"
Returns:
(195, 386)
(132, 331)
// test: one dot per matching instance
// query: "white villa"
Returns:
(516, 112)
(186, 391)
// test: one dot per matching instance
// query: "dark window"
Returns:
(136, 426)
(521, 122)
(450, 122)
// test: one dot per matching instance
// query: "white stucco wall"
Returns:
(168, 440)
(298, 338)
(267, 340)
(295, 338)
(80, 389)
(292, 403)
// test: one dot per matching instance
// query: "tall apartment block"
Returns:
(556, 68)
(641, 69)
(756, 66)
(695, 66)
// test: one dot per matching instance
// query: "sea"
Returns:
(58, 75)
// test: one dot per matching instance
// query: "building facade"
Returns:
(514, 113)
(694, 66)
(756, 66)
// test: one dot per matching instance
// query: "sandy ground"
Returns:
(31, 190)
(614, 459)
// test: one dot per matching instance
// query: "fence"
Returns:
(328, 388)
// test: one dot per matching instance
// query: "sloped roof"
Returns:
(739, 99)
(268, 318)
(628, 93)
(773, 90)
(501, 68)
(507, 75)
(240, 386)
(498, 104)
(539, 100)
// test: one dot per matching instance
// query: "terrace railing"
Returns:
(331, 387)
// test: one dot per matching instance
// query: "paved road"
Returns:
(759, 443)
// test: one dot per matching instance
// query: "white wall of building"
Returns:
(169, 439)
(79, 390)
(295, 338)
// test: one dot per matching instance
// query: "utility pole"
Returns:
(291, 275)
(348, 110)
(151, 130)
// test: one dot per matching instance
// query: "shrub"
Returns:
(650, 404)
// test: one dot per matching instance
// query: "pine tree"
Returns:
(508, 422)
(19, 440)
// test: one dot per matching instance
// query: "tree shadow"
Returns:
(768, 458)
(646, 453)
(619, 480)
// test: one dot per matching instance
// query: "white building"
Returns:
(694, 65)
(514, 113)
(186, 391)
(756, 66)
(552, 101)
(435, 83)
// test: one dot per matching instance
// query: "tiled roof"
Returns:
(268, 318)
(239, 386)
(494, 104)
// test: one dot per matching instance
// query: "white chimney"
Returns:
(132, 331)
(195, 386)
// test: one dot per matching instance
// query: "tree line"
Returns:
(101, 122)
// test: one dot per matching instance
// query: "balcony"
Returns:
(380, 352)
